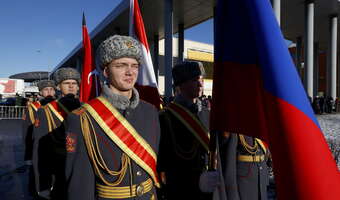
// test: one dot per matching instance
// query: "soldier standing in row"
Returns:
(184, 143)
(112, 142)
(49, 136)
(47, 92)
(243, 166)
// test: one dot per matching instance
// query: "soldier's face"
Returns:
(47, 91)
(122, 74)
(192, 88)
(69, 86)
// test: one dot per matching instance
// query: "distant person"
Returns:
(322, 104)
(316, 105)
(329, 104)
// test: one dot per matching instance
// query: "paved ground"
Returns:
(13, 178)
(330, 125)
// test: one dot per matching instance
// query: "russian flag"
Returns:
(146, 82)
(257, 92)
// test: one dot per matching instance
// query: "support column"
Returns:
(156, 55)
(79, 65)
(309, 46)
(298, 56)
(316, 69)
(168, 34)
(277, 10)
(180, 43)
(333, 55)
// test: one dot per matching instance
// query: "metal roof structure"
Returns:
(186, 12)
(193, 12)
(293, 19)
(31, 76)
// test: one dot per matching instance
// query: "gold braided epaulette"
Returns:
(79, 111)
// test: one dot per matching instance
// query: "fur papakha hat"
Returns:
(186, 71)
(116, 47)
(65, 74)
(45, 83)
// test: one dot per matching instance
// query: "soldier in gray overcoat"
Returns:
(112, 141)
(47, 93)
(184, 143)
(49, 136)
(244, 168)
(244, 165)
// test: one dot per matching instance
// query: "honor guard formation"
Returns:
(117, 146)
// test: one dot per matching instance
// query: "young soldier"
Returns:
(47, 92)
(49, 136)
(184, 143)
(112, 141)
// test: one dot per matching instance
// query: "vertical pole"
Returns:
(298, 56)
(333, 55)
(316, 69)
(168, 22)
(180, 42)
(277, 10)
(309, 46)
(156, 55)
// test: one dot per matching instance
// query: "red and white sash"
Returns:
(35, 105)
(57, 109)
(191, 123)
(122, 133)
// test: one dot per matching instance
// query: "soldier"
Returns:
(244, 168)
(245, 157)
(47, 92)
(112, 142)
(184, 143)
(49, 136)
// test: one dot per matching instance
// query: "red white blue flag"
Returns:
(146, 82)
(257, 91)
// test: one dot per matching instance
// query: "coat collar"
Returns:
(121, 102)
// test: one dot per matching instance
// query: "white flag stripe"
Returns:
(146, 74)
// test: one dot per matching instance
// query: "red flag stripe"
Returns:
(139, 26)
(89, 85)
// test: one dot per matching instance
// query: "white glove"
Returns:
(45, 194)
(209, 180)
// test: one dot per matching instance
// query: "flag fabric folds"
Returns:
(146, 82)
(89, 86)
(257, 91)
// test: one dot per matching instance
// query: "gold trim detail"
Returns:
(246, 158)
(118, 141)
(189, 126)
(55, 112)
(122, 192)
